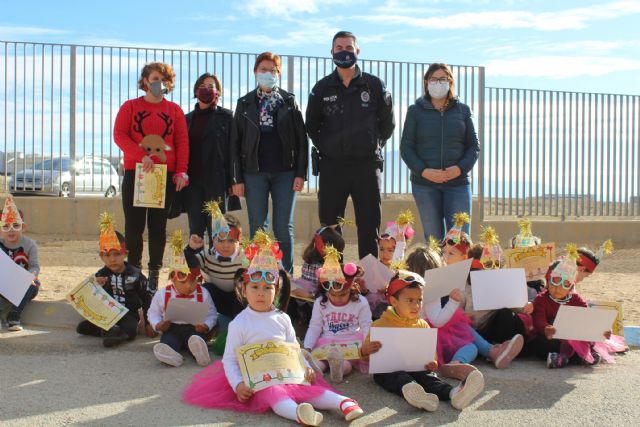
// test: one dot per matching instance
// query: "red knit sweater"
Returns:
(545, 309)
(137, 118)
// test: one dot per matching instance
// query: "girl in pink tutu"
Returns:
(340, 314)
(561, 280)
(221, 386)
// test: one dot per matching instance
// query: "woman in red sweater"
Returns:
(152, 116)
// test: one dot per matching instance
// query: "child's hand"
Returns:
(101, 280)
(607, 335)
(150, 332)
(455, 295)
(432, 366)
(201, 328)
(400, 236)
(243, 393)
(163, 325)
(370, 347)
(549, 331)
(528, 308)
(195, 242)
(310, 375)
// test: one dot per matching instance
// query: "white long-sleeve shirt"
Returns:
(250, 327)
(437, 315)
(157, 307)
(334, 321)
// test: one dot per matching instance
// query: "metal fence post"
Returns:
(290, 74)
(481, 110)
(72, 119)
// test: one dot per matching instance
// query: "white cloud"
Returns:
(279, 7)
(560, 67)
(311, 32)
(9, 32)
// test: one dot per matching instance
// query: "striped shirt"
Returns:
(218, 272)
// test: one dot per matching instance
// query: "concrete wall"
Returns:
(78, 218)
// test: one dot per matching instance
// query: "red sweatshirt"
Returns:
(545, 309)
(138, 118)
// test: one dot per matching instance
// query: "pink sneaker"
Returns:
(502, 354)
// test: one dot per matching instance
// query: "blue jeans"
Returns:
(258, 186)
(437, 204)
(16, 311)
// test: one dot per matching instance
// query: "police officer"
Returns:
(349, 118)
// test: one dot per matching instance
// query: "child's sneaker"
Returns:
(167, 355)
(14, 325)
(336, 365)
(467, 390)
(596, 359)
(556, 360)
(417, 397)
(307, 416)
(502, 354)
(459, 371)
(350, 409)
(198, 347)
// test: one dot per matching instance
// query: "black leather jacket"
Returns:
(245, 137)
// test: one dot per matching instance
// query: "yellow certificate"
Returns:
(350, 351)
(149, 188)
(95, 304)
(271, 363)
(534, 260)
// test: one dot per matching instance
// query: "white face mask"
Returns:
(438, 90)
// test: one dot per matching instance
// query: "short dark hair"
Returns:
(588, 253)
(475, 251)
(341, 34)
(202, 78)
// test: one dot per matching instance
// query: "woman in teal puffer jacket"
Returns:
(440, 146)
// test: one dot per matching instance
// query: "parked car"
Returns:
(53, 176)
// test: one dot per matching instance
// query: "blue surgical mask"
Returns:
(345, 59)
(266, 80)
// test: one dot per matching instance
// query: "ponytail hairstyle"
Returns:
(325, 236)
(283, 288)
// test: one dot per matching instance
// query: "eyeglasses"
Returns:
(441, 80)
(180, 276)
(407, 279)
(557, 281)
(260, 275)
(452, 242)
(331, 284)
(386, 236)
(16, 226)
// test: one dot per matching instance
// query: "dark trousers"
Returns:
(128, 324)
(361, 181)
(502, 326)
(541, 346)
(194, 198)
(16, 311)
(394, 381)
(177, 336)
(226, 303)
(136, 218)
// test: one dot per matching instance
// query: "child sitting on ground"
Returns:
(422, 389)
(178, 334)
(588, 261)
(124, 282)
(24, 252)
(340, 313)
(221, 386)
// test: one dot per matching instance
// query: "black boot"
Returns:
(114, 336)
(152, 283)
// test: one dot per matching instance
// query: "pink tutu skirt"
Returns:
(583, 349)
(210, 389)
(455, 334)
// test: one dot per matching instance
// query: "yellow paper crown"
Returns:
(108, 238)
(10, 213)
(460, 219)
(572, 251)
(263, 254)
(434, 245)
(178, 261)
(398, 265)
(331, 269)
(488, 236)
(405, 218)
(342, 222)
(605, 249)
(524, 225)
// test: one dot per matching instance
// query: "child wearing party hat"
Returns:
(24, 252)
(393, 242)
(589, 261)
(221, 386)
(124, 282)
(219, 262)
(526, 239)
(561, 281)
(177, 334)
(340, 314)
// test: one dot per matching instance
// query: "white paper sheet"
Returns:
(439, 282)
(376, 274)
(583, 324)
(14, 280)
(186, 310)
(403, 349)
(495, 289)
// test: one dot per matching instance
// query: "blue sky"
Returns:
(591, 46)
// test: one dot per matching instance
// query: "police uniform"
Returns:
(349, 127)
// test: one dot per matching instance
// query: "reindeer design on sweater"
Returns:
(154, 145)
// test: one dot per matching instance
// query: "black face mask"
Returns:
(345, 59)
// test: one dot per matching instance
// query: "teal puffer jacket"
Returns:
(436, 140)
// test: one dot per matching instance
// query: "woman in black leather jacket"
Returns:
(269, 154)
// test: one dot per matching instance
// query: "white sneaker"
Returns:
(167, 355)
(198, 347)
(14, 326)
(416, 396)
(307, 416)
(467, 390)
